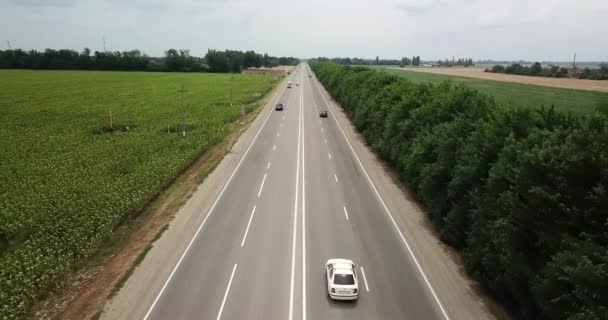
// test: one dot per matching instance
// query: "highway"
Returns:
(298, 196)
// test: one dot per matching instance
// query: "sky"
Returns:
(539, 30)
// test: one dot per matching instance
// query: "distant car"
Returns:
(289, 84)
(310, 76)
(342, 283)
(323, 114)
(278, 107)
(297, 83)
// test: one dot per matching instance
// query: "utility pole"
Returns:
(231, 84)
(182, 91)
(574, 62)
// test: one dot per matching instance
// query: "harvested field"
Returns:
(518, 95)
(566, 83)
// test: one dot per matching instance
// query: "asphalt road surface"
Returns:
(298, 197)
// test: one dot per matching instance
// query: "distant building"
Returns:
(575, 72)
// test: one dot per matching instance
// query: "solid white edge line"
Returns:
(303, 211)
(181, 258)
(407, 245)
(336, 177)
(268, 166)
(262, 185)
(346, 213)
(329, 155)
(364, 279)
(247, 229)
(219, 315)
(295, 223)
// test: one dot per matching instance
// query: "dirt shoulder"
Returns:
(87, 292)
(460, 296)
(478, 73)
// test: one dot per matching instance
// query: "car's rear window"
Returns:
(344, 279)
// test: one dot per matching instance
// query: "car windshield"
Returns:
(344, 279)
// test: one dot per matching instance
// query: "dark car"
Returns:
(323, 114)
(279, 107)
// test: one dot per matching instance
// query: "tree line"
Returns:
(537, 70)
(522, 194)
(234, 61)
(359, 61)
(464, 62)
(595, 74)
(135, 60)
(405, 61)
(415, 61)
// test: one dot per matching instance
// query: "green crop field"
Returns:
(518, 95)
(68, 179)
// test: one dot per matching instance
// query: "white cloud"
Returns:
(515, 29)
(416, 6)
(44, 3)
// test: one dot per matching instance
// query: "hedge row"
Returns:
(520, 193)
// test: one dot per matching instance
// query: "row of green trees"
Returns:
(465, 62)
(361, 62)
(135, 60)
(71, 59)
(535, 69)
(522, 194)
(234, 61)
(595, 74)
(415, 61)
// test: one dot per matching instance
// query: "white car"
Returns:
(342, 283)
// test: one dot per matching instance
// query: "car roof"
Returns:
(336, 261)
(341, 266)
(343, 269)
